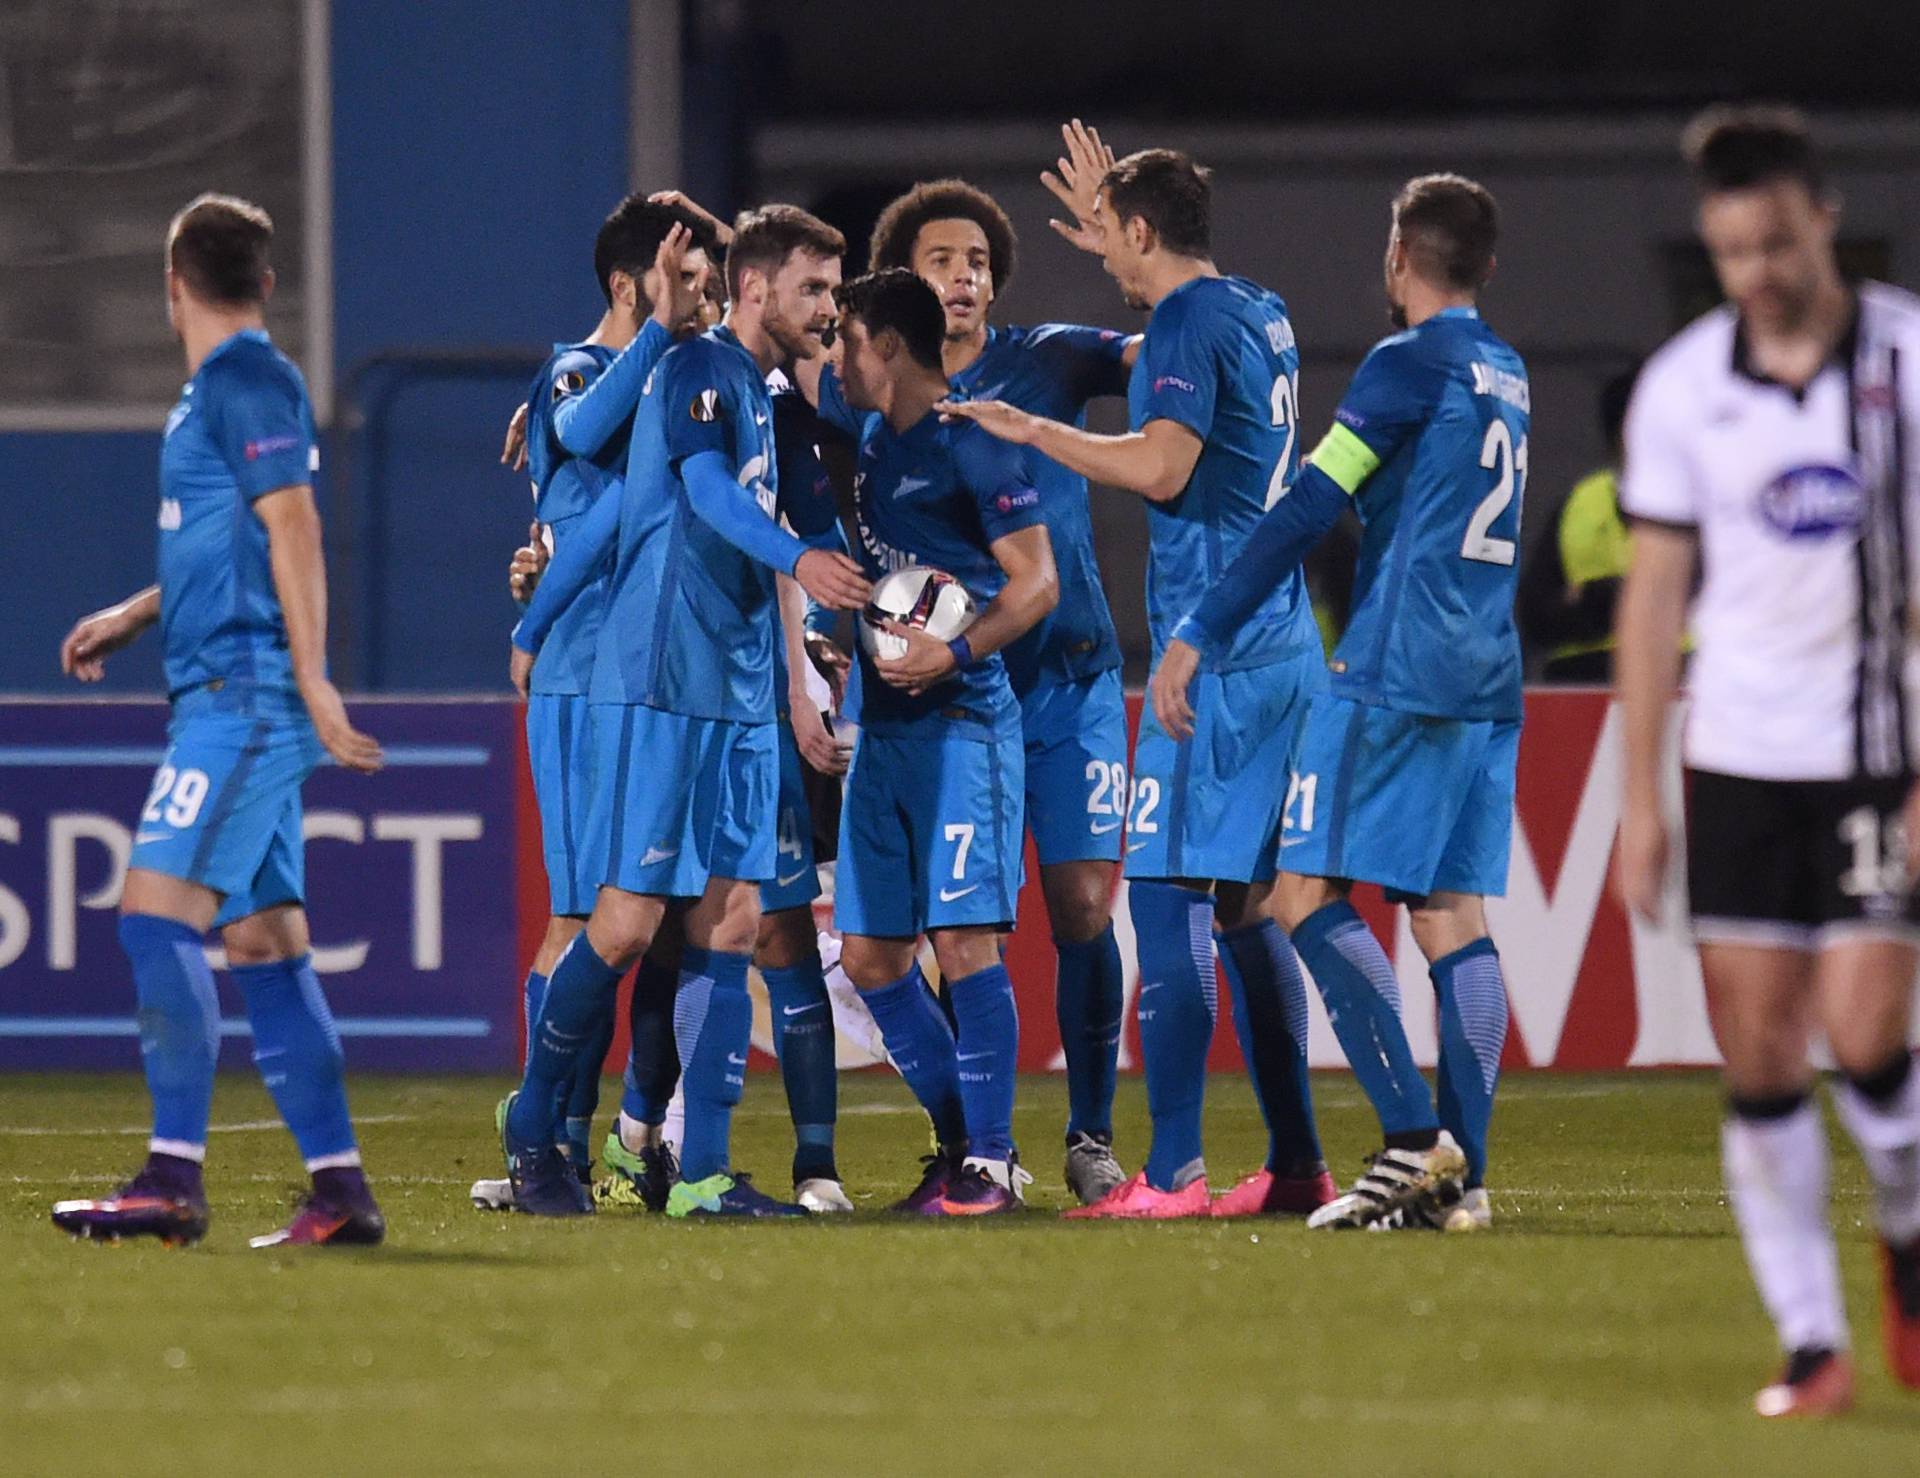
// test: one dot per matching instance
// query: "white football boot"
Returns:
(1397, 1184)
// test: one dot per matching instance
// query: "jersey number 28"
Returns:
(1508, 463)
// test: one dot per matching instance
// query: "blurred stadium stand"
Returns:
(437, 172)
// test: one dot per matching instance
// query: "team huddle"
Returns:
(677, 654)
(701, 741)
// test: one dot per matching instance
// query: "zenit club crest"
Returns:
(706, 407)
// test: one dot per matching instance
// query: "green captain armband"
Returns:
(1345, 458)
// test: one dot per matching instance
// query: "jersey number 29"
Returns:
(1508, 463)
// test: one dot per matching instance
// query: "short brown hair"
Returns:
(943, 200)
(1736, 148)
(1448, 224)
(1171, 193)
(219, 246)
(766, 237)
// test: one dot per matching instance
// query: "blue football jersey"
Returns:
(564, 488)
(1053, 371)
(689, 626)
(242, 428)
(1219, 359)
(1441, 412)
(939, 494)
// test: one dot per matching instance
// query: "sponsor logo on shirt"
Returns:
(266, 446)
(1023, 498)
(1813, 501)
(1173, 382)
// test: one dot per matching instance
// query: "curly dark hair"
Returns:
(943, 200)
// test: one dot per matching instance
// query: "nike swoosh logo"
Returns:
(151, 836)
(658, 854)
(971, 1056)
(1099, 830)
(793, 878)
(758, 419)
(1292, 841)
(1135, 846)
(947, 895)
(1155, 985)
(992, 392)
(910, 485)
(800, 1010)
(736, 1061)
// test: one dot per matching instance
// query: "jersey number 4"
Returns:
(1508, 463)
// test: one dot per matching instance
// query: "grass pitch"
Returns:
(1606, 1325)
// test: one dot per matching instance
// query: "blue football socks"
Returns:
(1089, 1002)
(1270, 1018)
(653, 1058)
(803, 1040)
(1363, 1004)
(1177, 1005)
(297, 1049)
(713, 1025)
(1473, 1030)
(533, 995)
(580, 1095)
(922, 1048)
(179, 1020)
(578, 995)
(986, 1053)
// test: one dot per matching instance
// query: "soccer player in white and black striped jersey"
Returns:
(1771, 443)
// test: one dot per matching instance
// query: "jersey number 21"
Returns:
(1508, 463)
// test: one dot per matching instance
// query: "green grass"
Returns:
(1606, 1325)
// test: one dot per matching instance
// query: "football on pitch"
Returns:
(919, 596)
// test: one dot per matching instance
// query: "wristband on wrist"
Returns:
(962, 651)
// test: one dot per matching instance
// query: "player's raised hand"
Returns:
(94, 638)
(833, 580)
(815, 741)
(520, 671)
(529, 563)
(348, 746)
(513, 451)
(1168, 690)
(1640, 860)
(723, 233)
(831, 663)
(675, 293)
(1076, 184)
(996, 416)
(927, 660)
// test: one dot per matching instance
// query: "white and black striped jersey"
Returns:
(1804, 503)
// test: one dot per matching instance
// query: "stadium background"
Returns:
(437, 172)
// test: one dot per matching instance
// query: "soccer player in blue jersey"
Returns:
(241, 603)
(1066, 670)
(1405, 768)
(930, 832)
(685, 768)
(1212, 404)
(651, 262)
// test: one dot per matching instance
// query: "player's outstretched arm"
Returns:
(1156, 461)
(734, 513)
(94, 638)
(300, 581)
(1646, 666)
(1031, 591)
(513, 451)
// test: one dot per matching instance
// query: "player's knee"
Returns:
(963, 952)
(1296, 899)
(786, 939)
(726, 920)
(1440, 929)
(1079, 899)
(873, 964)
(261, 939)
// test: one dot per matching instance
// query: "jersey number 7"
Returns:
(1509, 464)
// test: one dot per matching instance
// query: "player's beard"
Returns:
(795, 341)
(1397, 315)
